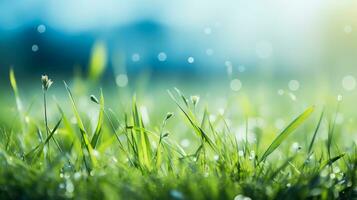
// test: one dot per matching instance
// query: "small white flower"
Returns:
(46, 82)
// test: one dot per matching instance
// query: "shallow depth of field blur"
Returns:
(247, 69)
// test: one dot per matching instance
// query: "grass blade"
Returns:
(330, 161)
(196, 127)
(13, 82)
(315, 133)
(84, 134)
(289, 129)
(144, 146)
(98, 129)
(35, 153)
(17, 98)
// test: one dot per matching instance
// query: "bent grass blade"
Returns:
(84, 134)
(286, 132)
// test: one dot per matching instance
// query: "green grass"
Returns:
(99, 150)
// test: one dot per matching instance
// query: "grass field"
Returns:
(75, 140)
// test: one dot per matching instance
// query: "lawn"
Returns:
(75, 140)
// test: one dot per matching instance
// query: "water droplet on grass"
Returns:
(295, 147)
(96, 153)
(252, 155)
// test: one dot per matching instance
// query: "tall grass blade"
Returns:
(331, 131)
(286, 132)
(98, 129)
(17, 98)
(13, 82)
(195, 126)
(144, 146)
(87, 144)
(315, 133)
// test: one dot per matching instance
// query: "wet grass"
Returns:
(94, 151)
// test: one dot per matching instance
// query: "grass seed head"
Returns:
(165, 135)
(94, 99)
(169, 115)
(46, 82)
(195, 100)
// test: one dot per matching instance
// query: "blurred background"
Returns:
(245, 58)
(313, 40)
